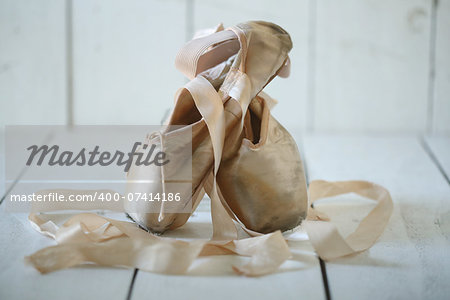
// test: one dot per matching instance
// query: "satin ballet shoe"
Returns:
(261, 55)
(190, 132)
(263, 183)
(246, 161)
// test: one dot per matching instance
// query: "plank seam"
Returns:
(189, 23)
(189, 15)
(47, 139)
(432, 67)
(323, 267)
(311, 66)
(434, 159)
(8, 191)
(69, 63)
(130, 289)
(189, 33)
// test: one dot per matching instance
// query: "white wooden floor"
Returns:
(410, 261)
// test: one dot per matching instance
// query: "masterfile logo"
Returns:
(98, 167)
(53, 156)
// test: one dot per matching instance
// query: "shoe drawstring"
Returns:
(163, 177)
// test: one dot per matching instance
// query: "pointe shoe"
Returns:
(261, 53)
(190, 132)
(264, 183)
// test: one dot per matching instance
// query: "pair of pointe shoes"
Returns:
(260, 179)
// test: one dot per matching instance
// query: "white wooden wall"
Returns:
(358, 65)
(441, 88)
(32, 62)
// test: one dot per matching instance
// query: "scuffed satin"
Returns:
(88, 238)
(264, 183)
(212, 116)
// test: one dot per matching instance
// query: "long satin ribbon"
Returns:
(325, 237)
(210, 106)
(89, 238)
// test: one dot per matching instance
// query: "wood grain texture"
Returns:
(291, 15)
(441, 104)
(21, 281)
(410, 260)
(372, 65)
(124, 54)
(32, 62)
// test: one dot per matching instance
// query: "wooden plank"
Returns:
(441, 105)
(292, 15)
(213, 277)
(124, 54)
(440, 146)
(21, 281)
(32, 62)
(411, 258)
(372, 65)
